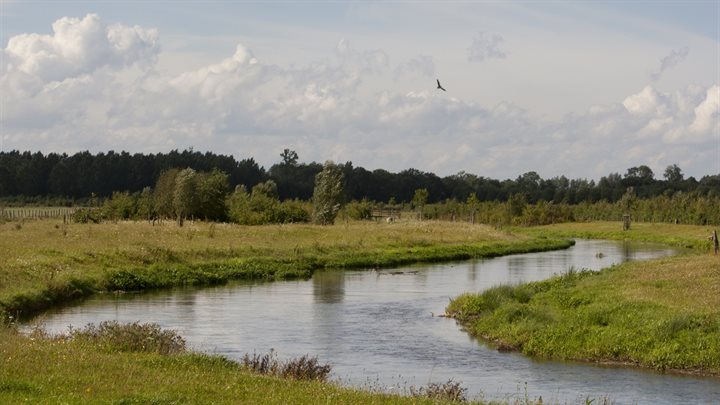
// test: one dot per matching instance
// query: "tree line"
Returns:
(26, 177)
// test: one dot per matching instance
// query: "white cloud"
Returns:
(485, 47)
(707, 113)
(80, 46)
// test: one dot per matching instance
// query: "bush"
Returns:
(359, 210)
(87, 215)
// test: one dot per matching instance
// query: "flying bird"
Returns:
(439, 86)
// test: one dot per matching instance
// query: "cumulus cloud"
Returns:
(676, 56)
(485, 46)
(80, 46)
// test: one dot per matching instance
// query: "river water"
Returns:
(378, 331)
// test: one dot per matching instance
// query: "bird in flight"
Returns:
(439, 86)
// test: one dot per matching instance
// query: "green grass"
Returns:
(662, 314)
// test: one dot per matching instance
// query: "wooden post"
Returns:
(716, 243)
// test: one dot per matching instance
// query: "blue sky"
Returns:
(580, 89)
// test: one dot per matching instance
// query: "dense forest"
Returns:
(27, 177)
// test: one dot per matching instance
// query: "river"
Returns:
(378, 329)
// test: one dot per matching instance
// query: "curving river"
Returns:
(378, 331)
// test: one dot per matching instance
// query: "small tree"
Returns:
(420, 199)
(164, 193)
(145, 208)
(184, 195)
(328, 194)
(516, 205)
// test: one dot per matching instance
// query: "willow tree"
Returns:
(328, 194)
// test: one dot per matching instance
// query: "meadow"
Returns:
(662, 314)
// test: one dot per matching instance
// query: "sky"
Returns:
(580, 89)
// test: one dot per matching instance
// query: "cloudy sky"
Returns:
(580, 89)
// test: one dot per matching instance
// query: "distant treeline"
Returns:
(27, 177)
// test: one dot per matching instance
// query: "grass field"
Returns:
(663, 314)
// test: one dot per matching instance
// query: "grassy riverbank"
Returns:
(47, 262)
(663, 314)
(42, 370)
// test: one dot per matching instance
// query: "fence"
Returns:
(16, 213)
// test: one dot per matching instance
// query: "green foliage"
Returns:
(120, 206)
(328, 194)
(212, 191)
(263, 207)
(185, 197)
(359, 210)
(516, 205)
(87, 215)
(164, 193)
(420, 198)
(145, 208)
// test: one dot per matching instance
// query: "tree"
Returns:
(212, 190)
(289, 157)
(516, 205)
(420, 198)
(673, 174)
(185, 194)
(328, 194)
(164, 193)
(145, 209)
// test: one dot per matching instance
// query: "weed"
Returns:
(447, 391)
(301, 368)
(131, 337)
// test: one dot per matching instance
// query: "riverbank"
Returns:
(47, 263)
(36, 369)
(662, 314)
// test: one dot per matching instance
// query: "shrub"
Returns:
(87, 215)
(131, 337)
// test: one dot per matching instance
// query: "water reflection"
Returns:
(329, 287)
(379, 326)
